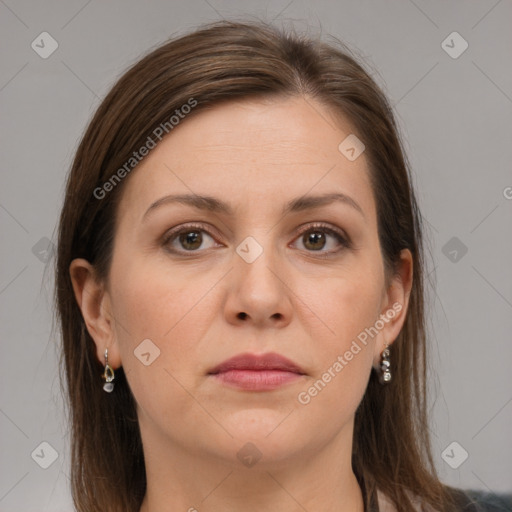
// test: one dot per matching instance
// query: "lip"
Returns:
(257, 372)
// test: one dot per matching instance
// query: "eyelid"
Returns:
(323, 225)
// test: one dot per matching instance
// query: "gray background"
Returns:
(455, 115)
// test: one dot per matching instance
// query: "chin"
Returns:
(258, 423)
(277, 440)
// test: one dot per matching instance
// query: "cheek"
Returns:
(160, 318)
(174, 310)
(151, 297)
(151, 307)
(348, 304)
(332, 395)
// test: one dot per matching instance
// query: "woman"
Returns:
(240, 259)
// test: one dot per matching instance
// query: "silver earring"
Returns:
(385, 373)
(108, 375)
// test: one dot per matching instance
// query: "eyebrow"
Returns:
(214, 205)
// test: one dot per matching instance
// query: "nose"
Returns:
(258, 291)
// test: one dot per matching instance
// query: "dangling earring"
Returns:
(108, 375)
(385, 374)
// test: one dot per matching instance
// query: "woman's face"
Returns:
(252, 276)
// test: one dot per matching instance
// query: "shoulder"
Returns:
(481, 501)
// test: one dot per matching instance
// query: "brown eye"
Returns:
(191, 240)
(314, 240)
(323, 240)
(188, 239)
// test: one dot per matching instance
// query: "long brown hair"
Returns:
(218, 63)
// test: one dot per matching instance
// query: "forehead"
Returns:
(260, 152)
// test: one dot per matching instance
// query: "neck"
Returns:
(179, 479)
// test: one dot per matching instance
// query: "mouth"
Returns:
(257, 372)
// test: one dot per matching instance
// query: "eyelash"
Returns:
(315, 227)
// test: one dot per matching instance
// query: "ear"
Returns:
(94, 303)
(395, 304)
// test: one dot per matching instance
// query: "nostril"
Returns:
(242, 315)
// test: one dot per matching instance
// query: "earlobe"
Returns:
(94, 303)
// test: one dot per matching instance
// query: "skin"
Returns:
(255, 155)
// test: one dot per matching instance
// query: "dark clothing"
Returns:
(466, 500)
(479, 501)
